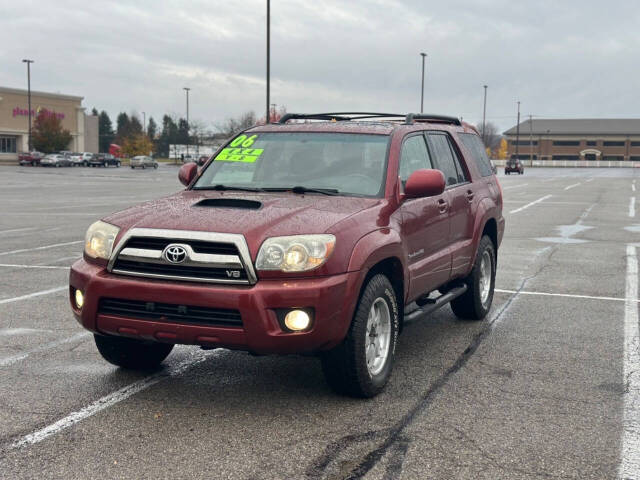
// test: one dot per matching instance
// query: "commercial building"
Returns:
(583, 140)
(14, 120)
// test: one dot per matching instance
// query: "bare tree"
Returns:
(491, 135)
(231, 126)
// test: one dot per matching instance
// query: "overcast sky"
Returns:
(559, 58)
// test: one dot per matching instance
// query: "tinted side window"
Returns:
(479, 154)
(414, 156)
(443, 156)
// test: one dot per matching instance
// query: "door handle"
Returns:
(470, 196)
(442, 206)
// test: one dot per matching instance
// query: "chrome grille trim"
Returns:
(204, 260)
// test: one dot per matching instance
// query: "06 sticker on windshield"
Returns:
(238, 151)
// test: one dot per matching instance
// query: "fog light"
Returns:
(297, 320)
(79, 298)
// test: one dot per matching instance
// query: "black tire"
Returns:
(117, 164)
(345, 367)
(132, 167)
(469, 306)
(143, 166)
(84, 164)
(130, 353)
(33, 163)
(155, 165)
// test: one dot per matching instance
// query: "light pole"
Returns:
(144, 123)
(530, 140)
(29, 62)
(484, 117)
(423, 55)
(518, 132)
(186, 89)
(268, 57)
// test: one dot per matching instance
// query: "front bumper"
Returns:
(332, 299)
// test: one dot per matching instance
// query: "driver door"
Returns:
(425, 225)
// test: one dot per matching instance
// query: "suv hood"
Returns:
(279, 214)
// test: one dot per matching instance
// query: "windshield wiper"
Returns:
(220, 186)
(301, 189)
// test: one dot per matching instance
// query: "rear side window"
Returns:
(478, 153)
(445, 158)
(414, 156)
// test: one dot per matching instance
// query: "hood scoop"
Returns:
(229, 203)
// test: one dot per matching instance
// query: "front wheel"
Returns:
(155, 165)
(130, 353)
(361, 365)
(143, 167)
(475, 303)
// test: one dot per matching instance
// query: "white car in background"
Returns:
(56, 160)
(143, 161)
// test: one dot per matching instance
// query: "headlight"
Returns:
(98, 242)
(297, 253)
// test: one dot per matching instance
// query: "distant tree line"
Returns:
(130, 134)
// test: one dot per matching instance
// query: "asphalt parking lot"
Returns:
(547, 386)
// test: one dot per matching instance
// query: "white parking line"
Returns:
(112, 399)
(531, 204)
(633, 186)
(630, 451)
(566, 295)
(7, 361)
(632, 207)
(590, 180)
(14, 265)
(44, 247)
(17, 230)
(572, 186)
(515, 186)
(34, 294)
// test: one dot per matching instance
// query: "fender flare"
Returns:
(486, 211)
(375, 247)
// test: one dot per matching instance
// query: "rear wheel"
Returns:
(475, 303)
(131, 353)
(361, 365)
(155, 165)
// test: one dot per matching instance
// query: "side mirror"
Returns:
(187, 173)
(424, 183)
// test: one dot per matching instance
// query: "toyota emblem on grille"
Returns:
(175, 253)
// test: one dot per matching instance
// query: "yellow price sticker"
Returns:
(244, 155)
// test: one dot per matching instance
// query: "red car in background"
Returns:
(30, 158)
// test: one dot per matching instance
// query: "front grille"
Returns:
(199, 246)
(209, 257)
(168, 270)
(167, 312)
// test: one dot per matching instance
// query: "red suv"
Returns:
(316, 236)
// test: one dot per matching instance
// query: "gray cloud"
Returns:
(574, 58)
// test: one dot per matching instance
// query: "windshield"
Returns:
(351, 164)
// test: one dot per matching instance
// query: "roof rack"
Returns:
(427, 117)
(409, 119)
(337, 116)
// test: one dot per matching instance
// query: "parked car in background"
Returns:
(87, 157)
(514, 165)
(104, 160)
(143, 161)
(203, 159)
(188, 158)
(30, 158)
(56, 160)
(76, 159)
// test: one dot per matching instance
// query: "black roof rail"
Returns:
(337, 116)
(427, 117)
(409, 118)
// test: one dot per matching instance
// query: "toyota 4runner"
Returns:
(321, 234)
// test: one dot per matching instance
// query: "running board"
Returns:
(437, 303)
